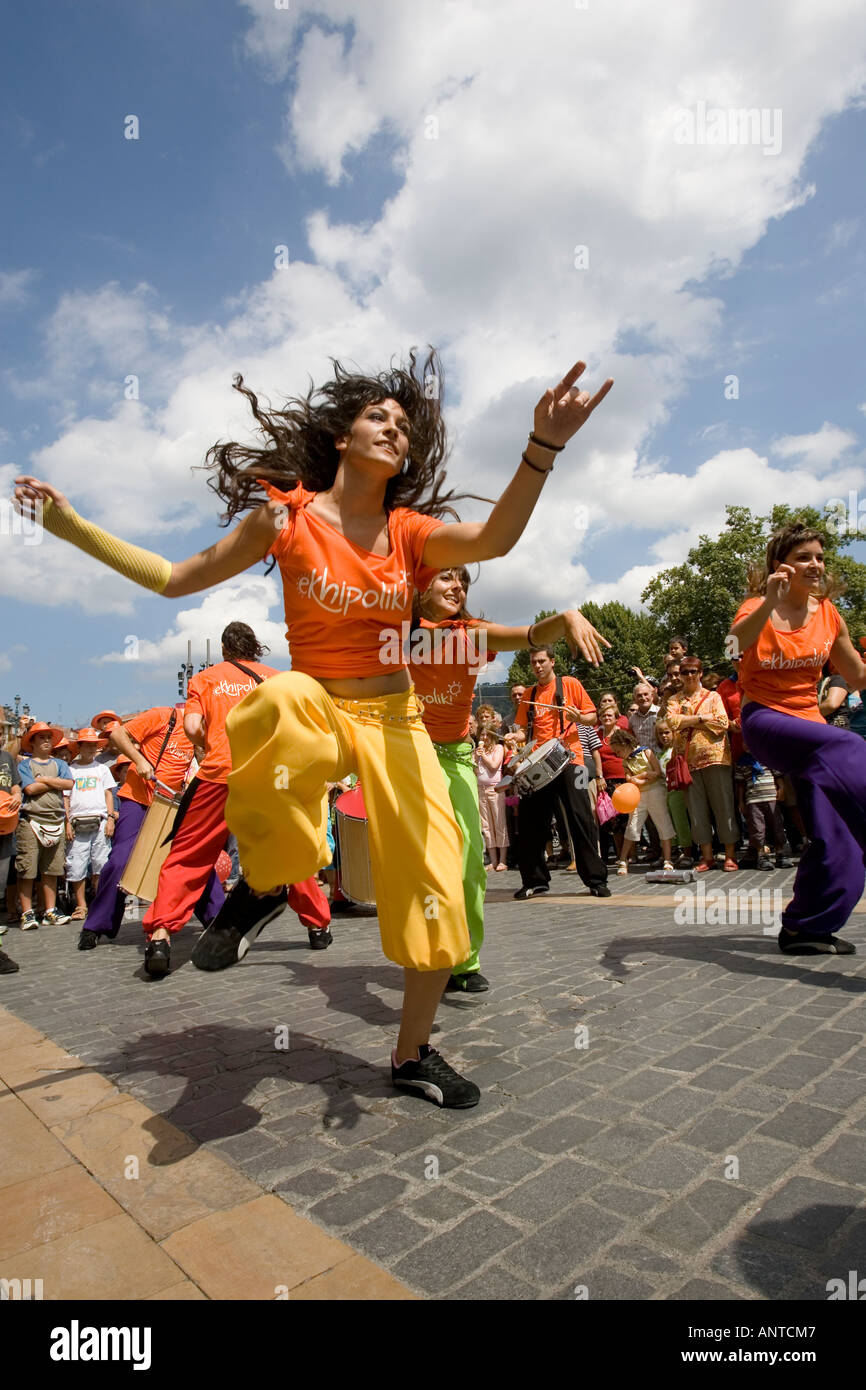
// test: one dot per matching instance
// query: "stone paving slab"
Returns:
(670, 1109)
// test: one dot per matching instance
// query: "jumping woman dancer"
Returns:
(445, 664)
(786, 633)
(345, 496)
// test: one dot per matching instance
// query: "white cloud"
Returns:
(248, 599)
(819, 449)
(841, 234)
(553, 131)
(15, 287)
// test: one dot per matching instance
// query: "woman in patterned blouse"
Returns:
(700, 724)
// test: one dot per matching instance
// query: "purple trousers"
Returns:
(105, 913)
(828, 769)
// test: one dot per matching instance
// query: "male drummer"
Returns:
(152, 739)
(200, 831)
(569, 789)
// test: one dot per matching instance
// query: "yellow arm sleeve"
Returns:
(143, 567)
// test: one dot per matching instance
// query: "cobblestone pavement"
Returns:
(669, 1110)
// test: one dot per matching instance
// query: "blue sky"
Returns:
(461, 242)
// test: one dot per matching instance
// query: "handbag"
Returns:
(604, 809)
(678, 776)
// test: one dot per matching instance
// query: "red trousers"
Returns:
(194, 851)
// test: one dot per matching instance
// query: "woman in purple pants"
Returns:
(786, 632)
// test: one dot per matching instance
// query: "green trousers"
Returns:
(455, 759)
(680, 818)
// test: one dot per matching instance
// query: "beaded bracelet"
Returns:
(554, 448)
(534, 466)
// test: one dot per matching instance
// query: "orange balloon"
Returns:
(626, 797)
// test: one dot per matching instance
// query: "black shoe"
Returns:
(813, 944)
(342, 907)
(432, 1078)
(473, 982)
(7, 965)
(765, 864)
(157, 958)
(236, 926)
(87, 940)
(783, 862)
(320, 939)
(601, 891)
(523, 893)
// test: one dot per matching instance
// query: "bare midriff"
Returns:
(368, 687)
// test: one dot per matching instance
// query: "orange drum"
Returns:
(141, 875)
(356, 874)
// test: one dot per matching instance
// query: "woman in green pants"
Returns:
(447, 651)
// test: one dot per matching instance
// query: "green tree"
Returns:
(700, 597)
(636, 640)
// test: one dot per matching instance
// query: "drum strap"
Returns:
(172, 720)
(558, 698)
(182, 808)
(246, 670)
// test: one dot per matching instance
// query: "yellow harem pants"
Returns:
(288, 738)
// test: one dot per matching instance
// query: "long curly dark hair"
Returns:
(300, 438)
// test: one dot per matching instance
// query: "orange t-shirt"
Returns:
(782, 669)
(546, 721)
(345, 607)
(212, 693)
(148, 731)
(445, 664)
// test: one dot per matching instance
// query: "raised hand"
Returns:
(582, 637)
(779, 583)
(565, 407)
(31, 491)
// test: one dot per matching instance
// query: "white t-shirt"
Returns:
(87, 797)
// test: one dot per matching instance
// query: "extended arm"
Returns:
(233, 553)
(559, 414)
(570, 624)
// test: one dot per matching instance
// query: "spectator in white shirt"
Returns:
(90, 818)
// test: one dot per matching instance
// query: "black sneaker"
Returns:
(87, 940)
(813, 944)
(7, 965)
(236, 926)
(320, 939)
(157, 958)
(783, 862)
(432, 1077)
(765, 864)
(473, 982)
(523, 893)
(342, 907)
(601, 891)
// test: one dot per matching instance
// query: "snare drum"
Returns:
(356, 874)
(141, 875)
(540, 767)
